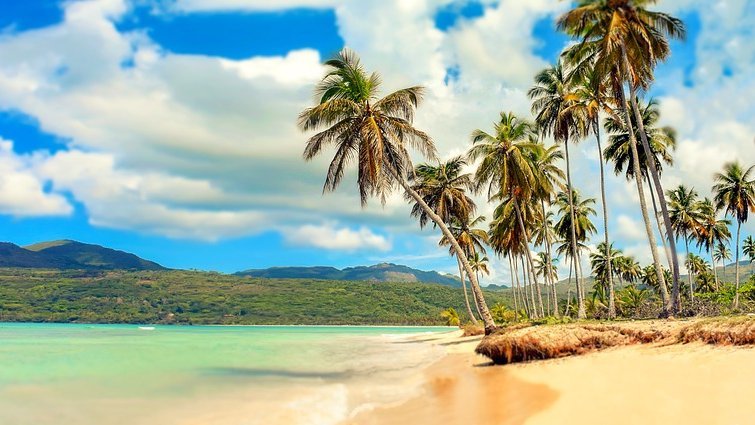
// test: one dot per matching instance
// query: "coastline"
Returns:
(654, 383)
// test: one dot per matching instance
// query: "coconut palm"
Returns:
(375, 134)
(735, 193)
(479, 263)
(576, 211)
(471, 240)
(687, 215)
(748, 248)
(602, 265)
(705, 282)
(444, 188)
(712, 232)
(626, 41)
(697, 266)
(632, 298)
(451, 317)
(629, 269)
(722, 254)
(553, 97)
(593, 97)
(506, 171)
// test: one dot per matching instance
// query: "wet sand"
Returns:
(647, 384)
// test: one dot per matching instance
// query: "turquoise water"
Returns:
(113, 374)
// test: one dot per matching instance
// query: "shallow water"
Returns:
(120, 374)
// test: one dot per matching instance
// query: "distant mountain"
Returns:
(384, 272)
(67, 254)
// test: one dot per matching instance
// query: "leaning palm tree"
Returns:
(625, 41)
(735, 193)
(748, 248)
(376, 134)
(687, 216)
(553, 97)
(472, 240)
(722, 254)
(506, 171)
(712, 232)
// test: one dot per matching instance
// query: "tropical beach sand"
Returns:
(640, 384)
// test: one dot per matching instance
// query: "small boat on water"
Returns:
(146, 328)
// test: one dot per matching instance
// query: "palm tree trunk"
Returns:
(531, 291)
(487, 318)
(474, 298)
(715, 272)
(522, 289)
(533, 276)
(550, 261)
(689, 267)
(660, 227)
(580, 294)
(643, 203)
(736, 267)
(609, 271)
(513, 287)
(466, 298)
(675, 295)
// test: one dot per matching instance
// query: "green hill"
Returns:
(384, 272)
(67, 254)
(212, 298)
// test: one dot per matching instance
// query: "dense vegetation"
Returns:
(185, 297)
(384, 272)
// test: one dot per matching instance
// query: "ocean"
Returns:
(66, 374)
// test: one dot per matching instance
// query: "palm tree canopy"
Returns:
(553, 100)
(712, 231)
(721, 253)
(662, 141)
(479, 263)
(748, 248)
(608, 29)
(544, 268)
(444, 187)
(375, 132)
(583, 209)
(734, 191)
(685, 210)
(599, 262)
(504, 166)
(471, 239)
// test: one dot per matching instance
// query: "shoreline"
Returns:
(653, 383)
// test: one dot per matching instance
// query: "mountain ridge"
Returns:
(70, 254)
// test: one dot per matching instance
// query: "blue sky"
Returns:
(166, 128)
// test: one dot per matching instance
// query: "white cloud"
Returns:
(248, 5)
(331, 237)
(22, 193)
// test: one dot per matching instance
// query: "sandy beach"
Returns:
(641, 384)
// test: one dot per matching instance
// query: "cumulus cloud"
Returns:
(22, 193)
(331, 237)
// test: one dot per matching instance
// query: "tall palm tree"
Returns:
(574, 225)
(712, 232)
(505, 169)
(623, 149)
(748, 248)
(626, 41)
(593, 98)
(735, 193)
(376, 133)
(553, 97)
(722, 254)
(547, 267)
(444, 189)
(687, 216)
(629, 269)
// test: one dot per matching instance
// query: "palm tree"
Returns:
(472, 240)
(574, 222)
(444, 189)
(735, 192)
(622, 149)
(712, 232)
(547, 267)
(376, 133)
(602, 265)
(633, 298)
(687, 216)
(706, 282)
(553, 97)
(451, 316)
(479, 263)
(748, 248)
(722, 254)
(506, 170)
(626, 41)
(629, 269)
(593, 98)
